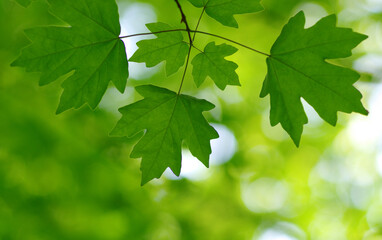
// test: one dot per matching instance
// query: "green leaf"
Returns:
(168, 46)
(24, 3)
(223, 11)
(297, 68)
(91, 47)
(211, 63)
(168, 119)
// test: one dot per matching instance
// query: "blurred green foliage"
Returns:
(63, 177)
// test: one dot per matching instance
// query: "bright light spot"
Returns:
(264, 195)
(313, 13)
(374, 6)
(370, 63)
(280, 231)
(272, 234)
(192, 169)
(379, 163)
(224, 147)
(355, 9)
(223, 150)
(361, 196)
(332, 170)
(133, 20)
(314, 119)
(365, 132)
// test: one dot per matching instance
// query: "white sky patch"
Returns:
(373, 6)
(224, 147)
(361, 196)
(192, 169)
(378, 163)
(313, 13)
(314, 119)
(274, 234)
(353, 10)
(223, 150)
(365, 132)
(280, 231)
(133, 20)
(370, 63)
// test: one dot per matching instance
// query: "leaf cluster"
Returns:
(92, 50)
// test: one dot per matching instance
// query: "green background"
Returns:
(63, 177)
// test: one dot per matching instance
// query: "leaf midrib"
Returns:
(96, 70)
(311, 78)
(282, 95)
(71, 49)
(164, 135)
(219, 69)
(313, 46)
(96, 22)
(157, 49)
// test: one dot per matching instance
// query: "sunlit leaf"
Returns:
(211, 62)
(169, 119)
(223, 11)
(90, 46)
(168, 46)
(297, 68)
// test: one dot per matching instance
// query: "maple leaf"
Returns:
(90, 46)
(223, 11)
(297, 68)
(211, 63)
(168, 46)
(168, 119)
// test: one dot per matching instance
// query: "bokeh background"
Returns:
(63, 177)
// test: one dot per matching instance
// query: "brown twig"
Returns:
(184, 20)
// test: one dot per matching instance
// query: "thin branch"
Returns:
(152, 33)
(184, 20)
(197, 25)
(197, 49)
(201, 32)
(232, 41)
(185, 69)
